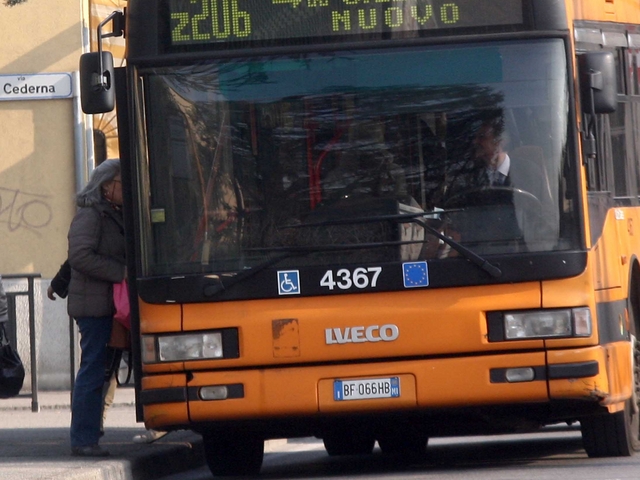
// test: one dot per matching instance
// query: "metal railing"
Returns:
(12, 327)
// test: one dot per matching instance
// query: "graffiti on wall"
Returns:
(24, 210)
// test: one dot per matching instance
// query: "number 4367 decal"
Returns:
(345, 279)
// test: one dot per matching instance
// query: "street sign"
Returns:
(38, 86)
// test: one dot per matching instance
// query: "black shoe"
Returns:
(89, 451)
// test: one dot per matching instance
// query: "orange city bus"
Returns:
(315, 248)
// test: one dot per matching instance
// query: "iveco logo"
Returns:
(374, 333)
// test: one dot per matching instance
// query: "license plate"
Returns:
(365, 389)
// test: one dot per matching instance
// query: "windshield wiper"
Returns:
(473, 257)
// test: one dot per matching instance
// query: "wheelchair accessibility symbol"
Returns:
(289, 282)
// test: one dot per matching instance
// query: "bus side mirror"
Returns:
(97, 93)
(597, 82)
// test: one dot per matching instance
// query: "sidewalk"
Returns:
(35, 445)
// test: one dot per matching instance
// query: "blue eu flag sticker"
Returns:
(289, 282)
(415, 274)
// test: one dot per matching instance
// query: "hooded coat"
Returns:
(97, 259)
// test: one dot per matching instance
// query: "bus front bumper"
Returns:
(422, 385)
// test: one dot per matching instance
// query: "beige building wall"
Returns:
(37, 147)
(43, 158)
(38, 174)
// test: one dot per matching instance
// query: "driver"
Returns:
(537, 218)
(482, 192)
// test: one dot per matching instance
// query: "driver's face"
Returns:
(486, 146)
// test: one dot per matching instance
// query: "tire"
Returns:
(398, 444)
(611, 435)
(348, 443)
(617, 434)
(233, 454)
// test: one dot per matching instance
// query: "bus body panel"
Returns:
(607, 252)
(160, 318)
(613, 383)
(626, 11)
(619, 371)
(165, 413)
(595, 388)
(435, 322)
(554, 291)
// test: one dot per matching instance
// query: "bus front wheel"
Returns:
(233, 453)
(610, 435)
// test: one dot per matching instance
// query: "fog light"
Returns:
(215, 392)
(515, 375)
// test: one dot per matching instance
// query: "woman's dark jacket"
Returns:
(97, 259)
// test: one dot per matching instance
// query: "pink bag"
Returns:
(121, 303)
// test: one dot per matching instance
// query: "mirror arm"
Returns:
(117, 31)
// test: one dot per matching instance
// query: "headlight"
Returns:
(190, 346)
(574, 322)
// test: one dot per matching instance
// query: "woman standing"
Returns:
(97, 259)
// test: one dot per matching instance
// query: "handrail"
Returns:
(30, 277)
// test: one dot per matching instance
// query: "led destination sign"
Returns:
(225, 21)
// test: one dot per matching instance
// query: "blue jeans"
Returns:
(86, 405)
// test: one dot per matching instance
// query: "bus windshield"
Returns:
(357, 156)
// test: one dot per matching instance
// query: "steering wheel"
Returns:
(533, 213)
